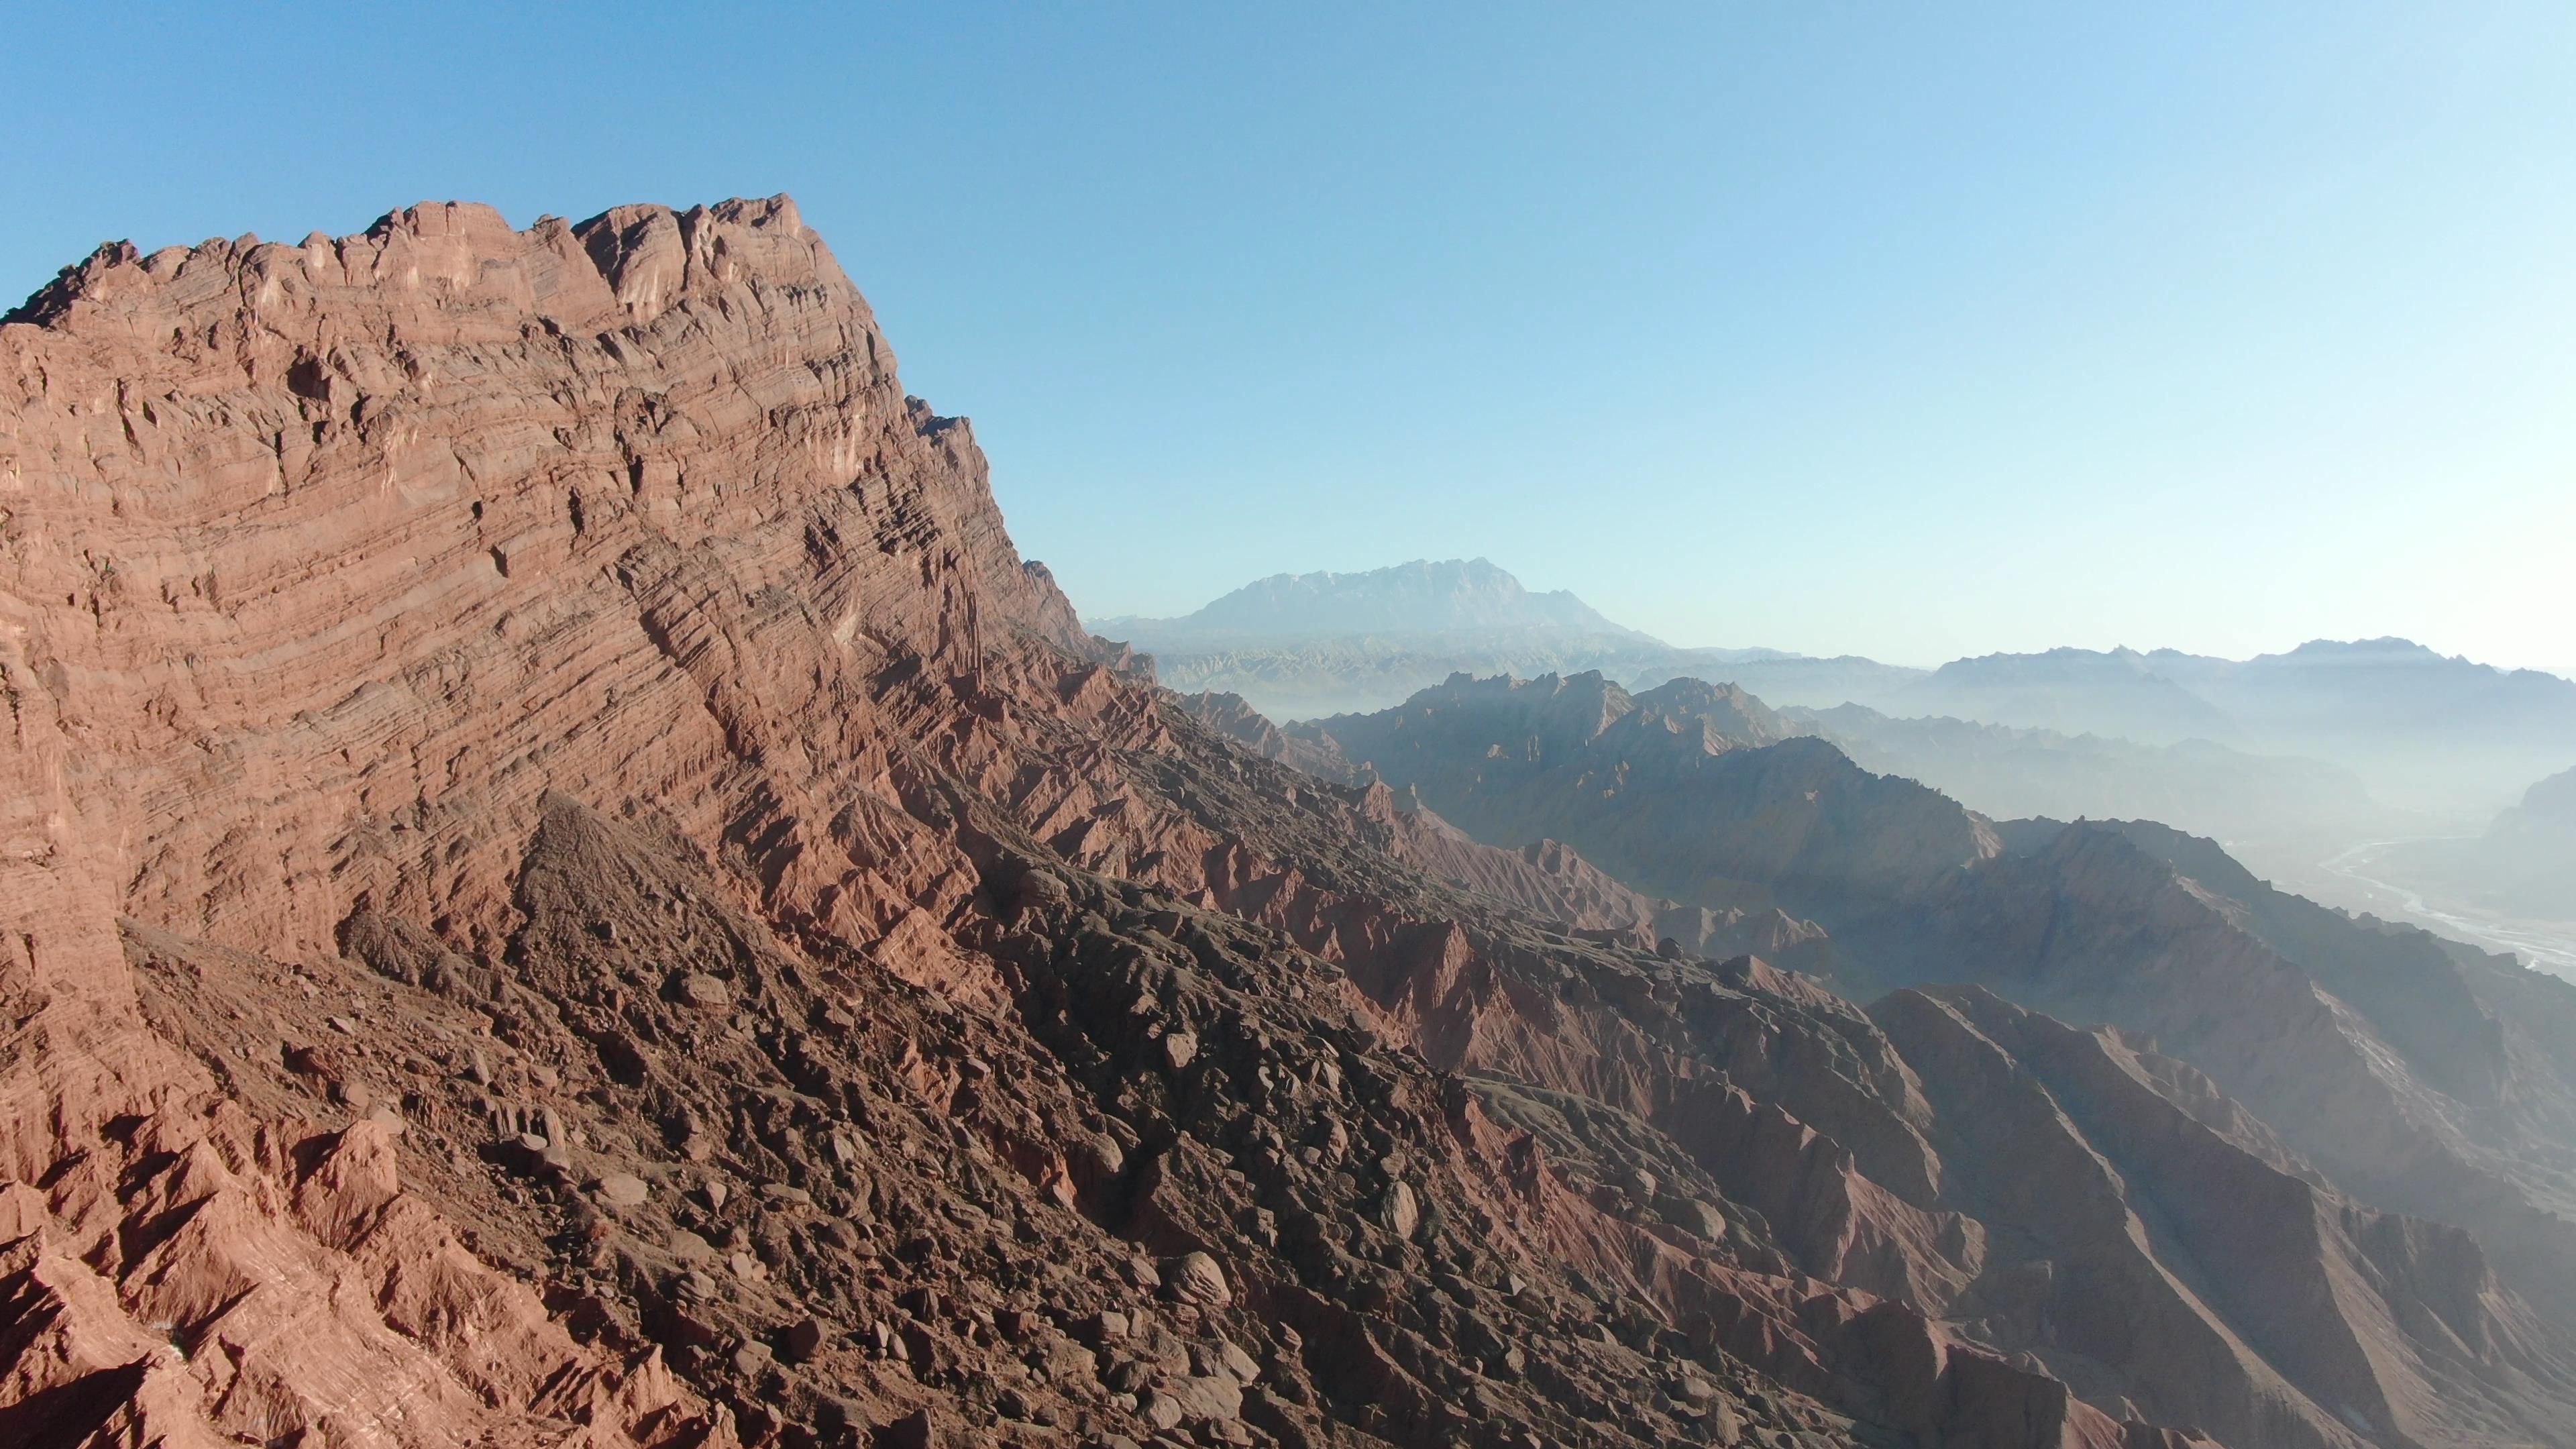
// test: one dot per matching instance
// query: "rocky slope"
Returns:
(2412, 1077)
(565, 885)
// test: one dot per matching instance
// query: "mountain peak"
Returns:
(1419, 597)
(2382, 649)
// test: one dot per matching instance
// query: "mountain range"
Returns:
(1297, 646)
(2425, 734)
(562, 882)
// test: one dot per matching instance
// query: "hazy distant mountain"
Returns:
(2426, 731)
(2075, 691)
(1300, 646)
(2426, 728)
(2420, 731)
(2523, 866)
(2263, 805)
(2533, 847)
(1453, 596)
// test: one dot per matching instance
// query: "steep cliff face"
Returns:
(564, 884)
(407, 527)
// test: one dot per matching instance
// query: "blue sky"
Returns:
(1907, 330)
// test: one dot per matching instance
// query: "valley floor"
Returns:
(2364, 877)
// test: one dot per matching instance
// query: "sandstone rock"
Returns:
(803, 1339)
(1160, 1409)
(706, 993)
(1211, 1397)
(621, 1189)
(1398, 1211)
(1196, 1279)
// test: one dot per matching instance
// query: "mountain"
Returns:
(2534, 845)
(2070, 691)
(561, 882)
(564, 882)
(2523, 865)
(2271, 806)
(1298, 646)
(2431, 730)
(1422, 597)
(2396, 1071)
(2425, 732)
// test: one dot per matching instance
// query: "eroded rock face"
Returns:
(561, 874)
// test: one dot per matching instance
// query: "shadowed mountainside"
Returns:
(2419, 1077)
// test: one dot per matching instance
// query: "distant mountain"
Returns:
(2523, 866)
(2266, 805)
(2421, 732)
(1452, 596)
(1301, 646)
(2074, 691)
(2427, 728)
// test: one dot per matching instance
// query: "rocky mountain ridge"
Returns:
(2420, 1077)
(561, 882)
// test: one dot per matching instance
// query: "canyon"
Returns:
(562, 882)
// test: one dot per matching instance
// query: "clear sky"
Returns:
(1901, 329)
